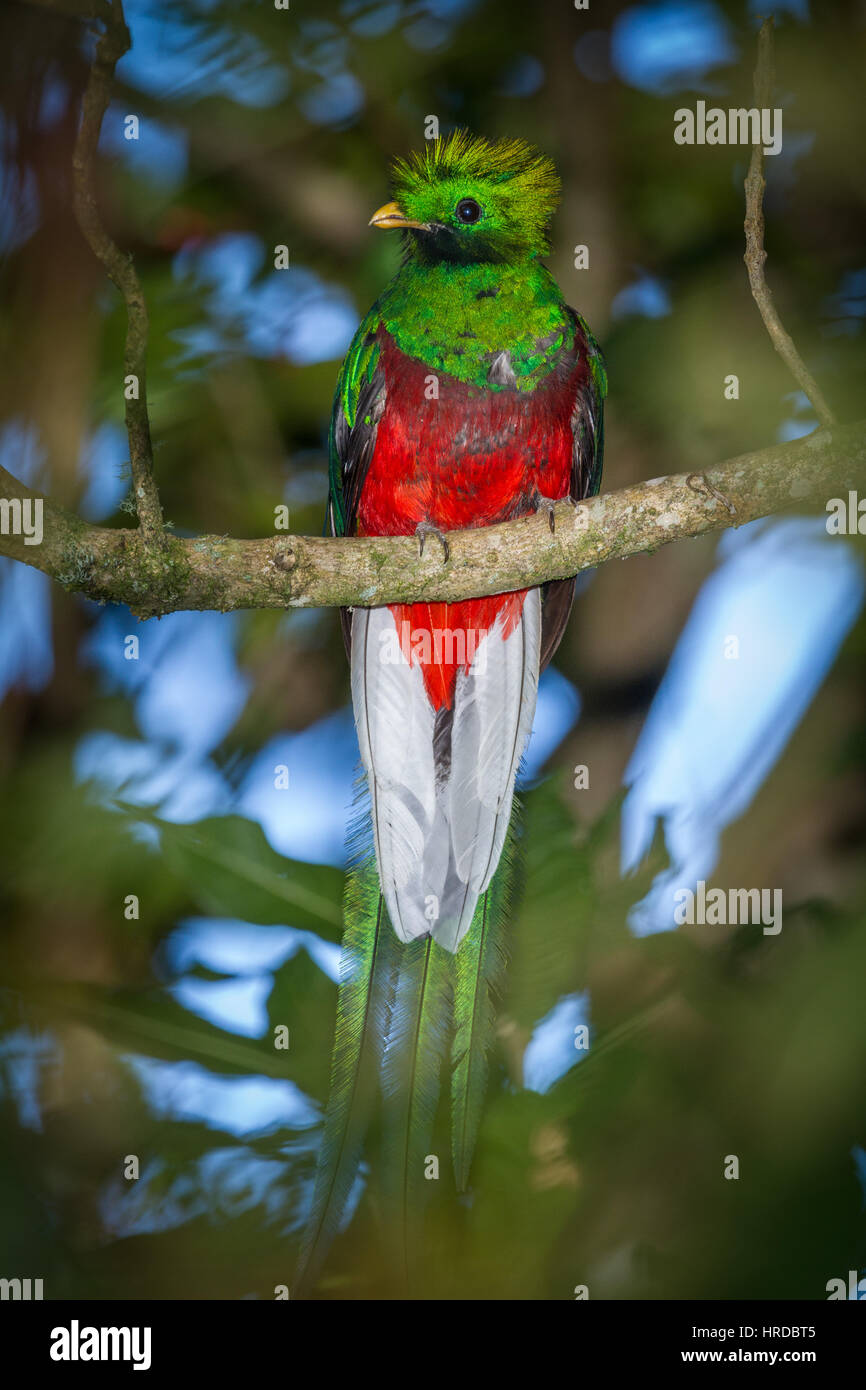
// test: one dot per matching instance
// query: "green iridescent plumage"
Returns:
(516, 186)
(478, 969)
(472, 290)
(362, 1011)
(411, 1074)
(456, 317)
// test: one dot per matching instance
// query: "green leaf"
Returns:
(154, 1024)
(304, 999)
(574, 905)
(231, 870)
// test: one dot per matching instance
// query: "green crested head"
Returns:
(465, 199)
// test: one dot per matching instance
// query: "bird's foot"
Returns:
(547, 505)
(713, 491)
(425, 529)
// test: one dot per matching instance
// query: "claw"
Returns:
(711, 490)
(548, 505)
(425, 529)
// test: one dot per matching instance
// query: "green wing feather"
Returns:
(478, 968)
(361, 1020)
(356, 373)
(418, 1034)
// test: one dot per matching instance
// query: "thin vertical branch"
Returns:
(110, 48)
(755, 255)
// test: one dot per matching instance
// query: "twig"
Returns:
(109, 50)
(755, 255)
(285, 571)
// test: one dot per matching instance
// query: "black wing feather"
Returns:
(587, 428)
(353, 446)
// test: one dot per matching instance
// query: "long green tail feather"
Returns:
(478, 968)
(358, 1041)
(398, 1006)
(417, 1042)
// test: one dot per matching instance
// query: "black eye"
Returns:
(468, 211)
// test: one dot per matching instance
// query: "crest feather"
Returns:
(473, 156)
(525, 177)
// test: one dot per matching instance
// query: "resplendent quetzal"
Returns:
(471, 394)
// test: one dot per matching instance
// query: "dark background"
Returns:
(153, 1036)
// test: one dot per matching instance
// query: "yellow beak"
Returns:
(391, 216)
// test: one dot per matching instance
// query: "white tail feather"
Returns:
(394, 720)
(438, 843)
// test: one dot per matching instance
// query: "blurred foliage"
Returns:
(705, 1042)
(614, 1178)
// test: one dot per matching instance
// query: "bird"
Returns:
(471, 394)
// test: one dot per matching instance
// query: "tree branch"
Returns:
(110, 48)
(755, 255)
(213, 572)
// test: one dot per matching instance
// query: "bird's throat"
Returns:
(453, 317)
